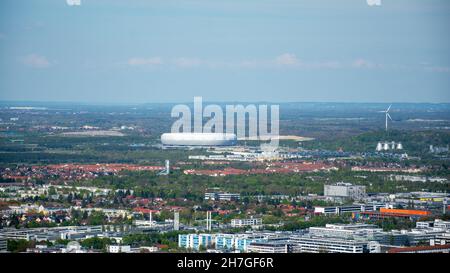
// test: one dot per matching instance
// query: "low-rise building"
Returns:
(422, 249)
(311, 244)
(246, 222)
(269, 247)
(222, 196)
(195, 241)
(119, 249)
(239, 242)
(3, 244)
(345, 190)
(350, 208)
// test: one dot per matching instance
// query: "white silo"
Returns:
(379, 147)
(399, 146)
(386, 146)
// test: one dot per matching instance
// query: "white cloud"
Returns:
(439, 69)
(36, 61)
(287, 59)
(73, 2)
(188, 62)
(145, 61)
(363, 63)
(374, 2)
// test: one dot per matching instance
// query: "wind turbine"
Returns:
(386, 112)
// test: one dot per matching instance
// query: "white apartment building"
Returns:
(119, 249)
(246, 222)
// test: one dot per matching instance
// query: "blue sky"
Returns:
(136, 51)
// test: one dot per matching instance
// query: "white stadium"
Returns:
(198, 139)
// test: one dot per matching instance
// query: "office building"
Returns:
(270, 247)
(349, 209)
(222, 196)
(362, 231)
(312, 244)
(345, 190)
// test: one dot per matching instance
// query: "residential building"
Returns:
(246, 222)
(195, 241)
(238, 242)
(119, 249)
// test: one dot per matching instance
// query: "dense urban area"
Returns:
(86, 179)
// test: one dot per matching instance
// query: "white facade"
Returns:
(119, 249)
(345, 231)
(326, 245)
(198, 139)
(246, 222)
(268, 247)
(345, 190)
(3, 244)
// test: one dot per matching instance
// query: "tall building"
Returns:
(176, 220)
(166, 170)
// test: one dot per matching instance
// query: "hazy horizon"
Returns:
(37, 102)
(279, 51)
